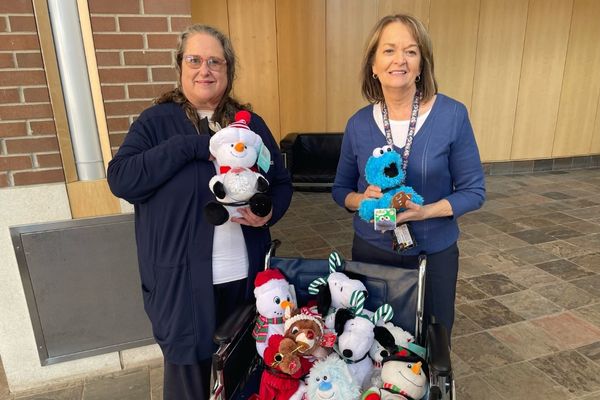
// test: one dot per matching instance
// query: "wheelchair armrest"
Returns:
(438, 350)
(234, 324)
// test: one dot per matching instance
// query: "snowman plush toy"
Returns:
(238, 183)
(273, 300)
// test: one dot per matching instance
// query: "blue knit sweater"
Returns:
(444, 163)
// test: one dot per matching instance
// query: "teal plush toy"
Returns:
(384, 169)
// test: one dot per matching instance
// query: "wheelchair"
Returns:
(236, 366)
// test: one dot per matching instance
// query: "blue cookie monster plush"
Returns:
(384, 169)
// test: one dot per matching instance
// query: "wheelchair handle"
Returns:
(271, 252)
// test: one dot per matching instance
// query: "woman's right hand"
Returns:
(353, 199)
(372, 192)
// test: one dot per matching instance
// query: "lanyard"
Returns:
(411, 128)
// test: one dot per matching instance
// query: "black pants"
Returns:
(440, 278)
(192, 382)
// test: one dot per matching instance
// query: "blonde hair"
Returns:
(225, 111)
(427, 85)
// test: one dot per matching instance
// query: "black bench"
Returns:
(312, 159)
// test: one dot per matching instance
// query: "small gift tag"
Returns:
(384, 219)
(264, 158)
(403, 238)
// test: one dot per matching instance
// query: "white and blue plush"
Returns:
(330, 379)
(384, 169)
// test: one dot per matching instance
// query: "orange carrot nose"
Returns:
(286, 303)
(239, 147)
(416, 368)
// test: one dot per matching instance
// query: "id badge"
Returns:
(402, 238)
(384, 219)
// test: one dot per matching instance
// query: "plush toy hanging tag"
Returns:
(264, 158)
(384, 219)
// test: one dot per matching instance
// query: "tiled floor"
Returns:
(528, 304)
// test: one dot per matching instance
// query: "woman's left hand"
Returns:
(413, 212)
(251, 219)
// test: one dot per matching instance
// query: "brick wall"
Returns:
(28, 145)
(134, 42)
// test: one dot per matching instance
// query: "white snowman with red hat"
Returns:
(273, 298)
(238, 183)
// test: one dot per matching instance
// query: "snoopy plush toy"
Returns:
(237, 183)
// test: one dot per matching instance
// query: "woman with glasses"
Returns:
(440, 160)
(193, 274)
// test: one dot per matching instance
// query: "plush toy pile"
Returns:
(337, 350)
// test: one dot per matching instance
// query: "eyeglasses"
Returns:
(213, 63)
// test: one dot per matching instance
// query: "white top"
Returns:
(230, 256)
(399, 128)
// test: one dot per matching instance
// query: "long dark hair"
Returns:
(225, 111)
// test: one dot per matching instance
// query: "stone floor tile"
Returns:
(131, 385)
(560, 232)
(589, 313)
(472, 266)
(475, 388)
(481, 351)
(480, 230)
(530, 276)
(593, 396)
(532, 236)
(590, 262)
(534, 222)
(591, 351)
(474, 247)
(565, 295)
(564, 269)
(529, 304)
(572, 370)
(310, 243)
(590, 284)
(156, 383)
(459, 367)
(590, 226)
(557, 195)
(568, 330)
(322, 252)
(564, 249)
(504, 241)
(526, 339)
(340, 238)
(585, 213)
(495, 284)
(466, 292)
(463, 326)
(499, 260)
(524, 382)
(560, 218)
(4, 390)
(531, 254)
(71, 393)
(489, 313)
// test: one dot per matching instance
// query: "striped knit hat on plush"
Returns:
(305, 314)
(237, 131)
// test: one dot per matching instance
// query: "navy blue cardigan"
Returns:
(163, 168)
(444, 163)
